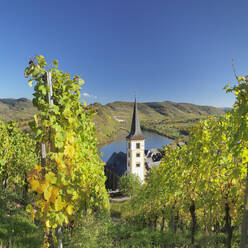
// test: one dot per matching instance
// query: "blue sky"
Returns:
(176, 50)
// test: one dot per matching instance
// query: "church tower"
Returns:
(136, 147)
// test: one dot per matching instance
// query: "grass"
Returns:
(116, 205)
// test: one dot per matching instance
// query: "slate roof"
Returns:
(117, 163)
(135, 132)
(150, 163)
(153, 158)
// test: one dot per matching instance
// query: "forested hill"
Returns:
(113, 119)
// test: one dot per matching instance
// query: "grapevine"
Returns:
(70, 179)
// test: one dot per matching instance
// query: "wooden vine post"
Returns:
(50, 101)
(51, 145)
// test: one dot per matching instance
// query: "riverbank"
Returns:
(153, 140)
(176, 131)
(159, 133)
(111, 139)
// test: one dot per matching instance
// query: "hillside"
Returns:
(166, 118)
(114, 119)
(16, 109)
(162, 110)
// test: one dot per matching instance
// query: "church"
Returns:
(136, 148)
(136, 160)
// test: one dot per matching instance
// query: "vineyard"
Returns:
(60, 167)
(53, 185)
(202, 186)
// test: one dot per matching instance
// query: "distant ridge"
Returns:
(114, 119)
(16, 109)
(161, 110)
(22, 108)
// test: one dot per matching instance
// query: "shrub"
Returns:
(129, 184)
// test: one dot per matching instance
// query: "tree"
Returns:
(129, 184)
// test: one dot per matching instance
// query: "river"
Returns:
(153, 140)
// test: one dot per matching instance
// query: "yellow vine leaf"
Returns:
(48, 193)
(54, 194)
(70, 138)
(59, 204)
(34, 184)
(60, 162)
(69, 151)
(57, 158)
(34, 172)
(241, 79)
(75, 195)
(32, 215)
(62, 167)
(245, 156)
(69, 209)
(66, 220)
(67, 113)
(46, 207)
(51, 177)
(48, 223)
(30, 82)
(43, 187)
(37, 168)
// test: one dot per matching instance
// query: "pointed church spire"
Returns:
(135, 132)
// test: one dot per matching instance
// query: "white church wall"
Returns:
(137, 162)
